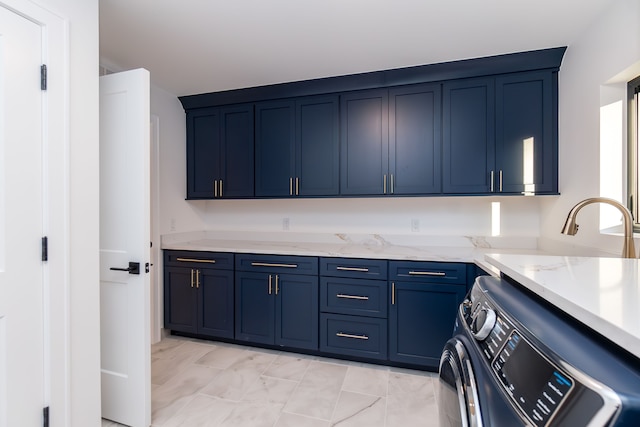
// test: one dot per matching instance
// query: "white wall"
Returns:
(593, 74)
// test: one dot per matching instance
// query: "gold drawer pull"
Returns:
(352, 297)
(427, 273)
(268, 264)
(358, 337)
(208, 261)
(361, 269)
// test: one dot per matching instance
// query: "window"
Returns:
(633, 90)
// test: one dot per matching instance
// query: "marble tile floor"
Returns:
(203, 383)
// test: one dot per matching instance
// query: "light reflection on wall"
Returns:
(495, 218)
(611, 161)
(528, 166)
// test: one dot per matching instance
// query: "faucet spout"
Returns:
(570, 227)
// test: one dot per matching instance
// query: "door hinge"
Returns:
(45, 417)
(43, 77)
(45, 248)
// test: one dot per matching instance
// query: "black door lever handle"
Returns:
(134, 268)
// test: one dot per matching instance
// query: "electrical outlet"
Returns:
(285, 224)
(415, 225)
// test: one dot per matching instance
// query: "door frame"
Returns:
(56, 216)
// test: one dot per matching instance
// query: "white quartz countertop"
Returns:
(375, 246)
(602, 293)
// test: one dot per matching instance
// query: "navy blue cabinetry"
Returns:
(468, 136)
(415, 140)
(501, 134)
(353, 304)
(364, 140)
(297, 147)
(220, 152)
(277, 300)
(526, 133)
(198, 293)
(275, 136)
(424, 298)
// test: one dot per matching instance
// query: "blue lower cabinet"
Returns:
(421, 320)
(277, 309)
(198, 293)
(356, 336)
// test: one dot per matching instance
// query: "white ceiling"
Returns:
(198, 46)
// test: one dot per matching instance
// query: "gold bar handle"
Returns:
(192, 277)
(220, 188)
(491, 179)
(197, 279)
(276, 284)
(297, 186)
(500, 177)
(269, 264)
(392, 191)
(269, 284)
(360, 269)
(207, 261)
(352, 297)
(215, 188)
(427, 273)
(290, 186)
(358, 337)
(384, 184)
(393, 293)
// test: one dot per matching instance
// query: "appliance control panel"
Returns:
(534, 384)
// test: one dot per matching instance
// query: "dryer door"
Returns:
(457, 391)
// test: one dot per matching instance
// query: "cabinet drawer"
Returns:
(198, 259)
(354, 267)
(358, 297)
(433, 272)
(287, 264)
(353, 336)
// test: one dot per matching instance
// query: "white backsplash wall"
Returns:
(447, 216)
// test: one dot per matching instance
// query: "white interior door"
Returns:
(21, 223)
(124, 239)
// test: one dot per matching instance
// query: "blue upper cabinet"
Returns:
(220, 152)
(364, 139)
(317, 147)
(297, 147)
(481, 126)
(468, 136)
(415, 140)
(275, 136)
(203, 148)
(526, 133)
(501, 135)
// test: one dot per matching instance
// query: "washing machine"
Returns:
(515, 360)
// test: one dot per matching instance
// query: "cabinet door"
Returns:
(215, 305)
(415, 140)
(180, 300)
(317, 146)
(526, 144)
(275, 133)
(203, 151)
(297, 311)
(364, 143)
(237, 152)
(468, 136)
(421, 320)
(255, 311)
